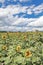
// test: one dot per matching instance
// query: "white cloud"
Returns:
(38, 9)
(29, 11)
(40, 29)
(24, 0)
(22, 21)
(3, 12)
(12, 9)
(37, 22)
(16, 9)
(2, 1)
(15, 21)
(12, 28)
(9, 22)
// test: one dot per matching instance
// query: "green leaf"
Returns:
(8, 60)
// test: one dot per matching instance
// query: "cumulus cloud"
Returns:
(15, 21)
(20, 24)
(16, 9)
(12, 9)
(11, 23)
(2, 1)
(24, 0)
(39, 29)
(38, 9)
(37, 22)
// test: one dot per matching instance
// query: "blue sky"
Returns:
(21, 15)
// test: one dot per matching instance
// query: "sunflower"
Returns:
(4, 47)
(18, 48)
(28, 53)
(25, 37)
(4, 37)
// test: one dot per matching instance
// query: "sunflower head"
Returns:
(4, 37)
(25, 36)
(18, 48)
(4, 47)
(28, 53)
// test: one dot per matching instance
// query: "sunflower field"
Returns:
(21, 48)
